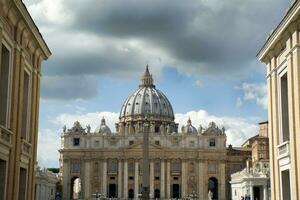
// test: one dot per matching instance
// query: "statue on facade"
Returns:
(210, 195)
(162, 129)
(152, 128)
(168, 128)
(88, 128)
(64, 128)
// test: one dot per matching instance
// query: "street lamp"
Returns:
(145, 182)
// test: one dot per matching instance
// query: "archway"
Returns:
(112, 191)
(130, 194)
(213, 186)
(175, 191)
(75, 188)
(156, 194)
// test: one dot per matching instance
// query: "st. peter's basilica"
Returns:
(189, 162)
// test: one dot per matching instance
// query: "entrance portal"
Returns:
(175, 191)
(213, 187)
(112, 191)
(156, 194)
(75, 188)
(257, 193)
(130, 194)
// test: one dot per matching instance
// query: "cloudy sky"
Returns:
(200, 52)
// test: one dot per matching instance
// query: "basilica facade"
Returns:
(183, 163)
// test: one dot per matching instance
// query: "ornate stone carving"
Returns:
(77, 128)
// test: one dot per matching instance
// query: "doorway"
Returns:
(175, 191)
(256, 193)
(130, 194)
(75, 188)
(213, 187)
(112, 191)
(156, 194)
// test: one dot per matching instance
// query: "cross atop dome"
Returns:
(147, 80)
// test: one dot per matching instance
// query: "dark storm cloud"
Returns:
(67, 87)
(209, 32)
(117, 38)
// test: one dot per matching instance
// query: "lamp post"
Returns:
(145, 182)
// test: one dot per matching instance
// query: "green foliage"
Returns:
(54, 170)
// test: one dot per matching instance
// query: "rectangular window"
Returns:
(212, 142)
(75, 167)
(284, 108)
(22, 184)
(2, 178)
(112, 166)
(212, 168)
(25, 109)
(192, 144)
(96, 143)
(4, 84)
(76, 141)
(176, 167)
(157, 142)
(285, 185)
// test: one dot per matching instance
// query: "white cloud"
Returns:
(237, 129)
(256, 92)
(92, 119)
(48, 145)
(239, 102)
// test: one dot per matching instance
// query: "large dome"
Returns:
(147, 101)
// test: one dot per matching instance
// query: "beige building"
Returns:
(281, 54)
(183, 163)
(254, 179)
(45, 184)
(22, 50)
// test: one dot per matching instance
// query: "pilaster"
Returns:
(119, 178)
(162, 179)
(136, 179)
(125, 179)
(183, 179)
(168, 185)
(104, 178)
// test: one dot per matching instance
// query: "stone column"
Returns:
(162, 179)
(87, 186)
(66, 180)
(251, 190)
(125, 186)
(120, 179)
(183, 179)
(200, 180)
(222, 184)
(265, 192)
(168, 186)
(136, 179)
(104, 178)
(151, 179)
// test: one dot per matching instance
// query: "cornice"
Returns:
(282, 26)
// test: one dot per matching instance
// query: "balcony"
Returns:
(283, 150)
(26, 147)
(5, 136)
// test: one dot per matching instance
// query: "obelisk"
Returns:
(146, 182)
